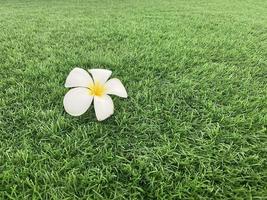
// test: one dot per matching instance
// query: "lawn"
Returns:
(193, 126)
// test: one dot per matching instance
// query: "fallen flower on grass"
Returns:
(86, 89)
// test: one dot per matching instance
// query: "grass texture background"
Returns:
(193, 127)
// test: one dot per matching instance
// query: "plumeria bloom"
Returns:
(86, 89)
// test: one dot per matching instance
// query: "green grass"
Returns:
(193, 127)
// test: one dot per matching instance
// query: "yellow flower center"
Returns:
(97, 89)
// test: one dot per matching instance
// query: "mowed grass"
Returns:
(193, 127)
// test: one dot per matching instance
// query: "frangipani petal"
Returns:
(100, 75)
(103, 107)
(78, 78)
(114, 86)
(77, 101)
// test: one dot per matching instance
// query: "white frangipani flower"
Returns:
(86, 89)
